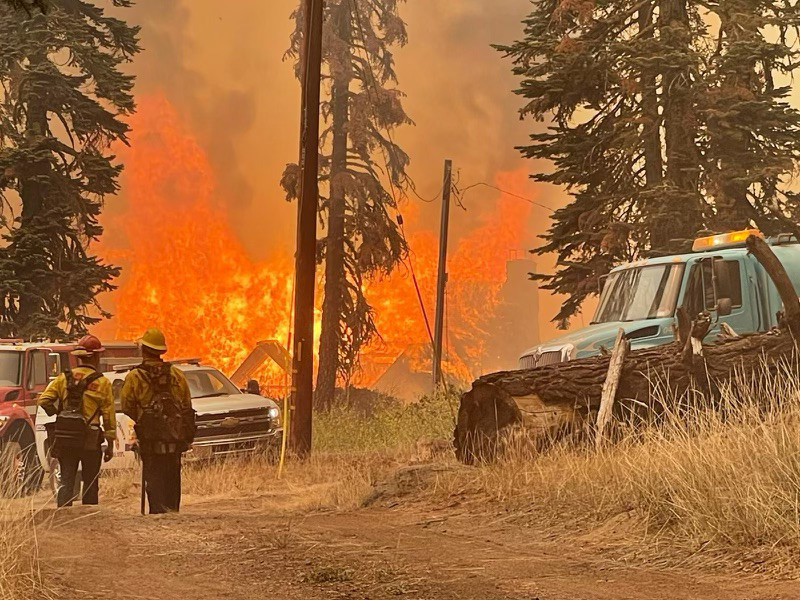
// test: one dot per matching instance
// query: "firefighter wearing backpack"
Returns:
(80, 398)
(156, 397)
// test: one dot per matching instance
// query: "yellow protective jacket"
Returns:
(137, 393)
(98, 400)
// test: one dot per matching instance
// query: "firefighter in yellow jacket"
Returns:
(81, 397)
(156, 397)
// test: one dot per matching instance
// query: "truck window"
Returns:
(729, 280)
(10, 368)
(638, 293)
(37, 369)
(53, 366)
(700, 290)
(65, 363)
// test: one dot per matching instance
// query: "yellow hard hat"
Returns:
(154, 339)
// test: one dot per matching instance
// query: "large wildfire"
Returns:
(186, 271)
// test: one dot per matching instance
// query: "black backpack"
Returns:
(164, 420)
(71, 429)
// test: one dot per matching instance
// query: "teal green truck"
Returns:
(642, 298)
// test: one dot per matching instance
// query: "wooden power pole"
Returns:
(441, 282)
(305, 258)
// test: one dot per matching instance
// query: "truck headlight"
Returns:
(274, 413)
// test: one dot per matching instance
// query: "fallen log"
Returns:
(562, 398)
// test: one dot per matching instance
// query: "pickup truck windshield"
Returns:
(640, 293)
(10, 368)
(206, 383)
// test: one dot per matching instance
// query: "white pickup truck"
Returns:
(229, 421)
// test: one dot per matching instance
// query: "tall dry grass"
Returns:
(388, 428)
(722, 480)
(20, 574)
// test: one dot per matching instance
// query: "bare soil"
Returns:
(253, 548)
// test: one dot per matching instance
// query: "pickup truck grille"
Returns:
(234, 423)
(531, 361)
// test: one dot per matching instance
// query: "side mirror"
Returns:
(724, 307)
(252, 387)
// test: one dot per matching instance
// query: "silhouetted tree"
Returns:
(361, 109)
(62, 95)
(662, 124)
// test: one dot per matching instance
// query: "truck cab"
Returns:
(25, 371)
(642, 298)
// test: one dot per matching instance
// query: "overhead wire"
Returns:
(463, 192)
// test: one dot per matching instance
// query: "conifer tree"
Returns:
(63, 92)
(662, 125)
(27, 5)
(362, 170)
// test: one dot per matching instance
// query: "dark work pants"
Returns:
(89, 462)
(162, 477)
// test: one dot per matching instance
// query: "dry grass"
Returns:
(722, 483)
(352, 452)
(20, 577)
(338, 481)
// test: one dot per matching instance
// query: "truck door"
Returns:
(35, 377)
(712, 279)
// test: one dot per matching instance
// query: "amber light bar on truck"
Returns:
(722, 240)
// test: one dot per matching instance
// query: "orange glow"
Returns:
(476, 271)
(186, 272)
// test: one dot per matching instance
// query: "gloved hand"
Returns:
(109, 453)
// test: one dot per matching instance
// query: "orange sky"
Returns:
(223, 70)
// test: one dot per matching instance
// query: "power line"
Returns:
(463, 192)
(413, 187)
(410, 265)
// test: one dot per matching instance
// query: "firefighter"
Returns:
(156, 397)
(80, 398)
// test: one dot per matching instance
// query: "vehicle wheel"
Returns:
(19, 470)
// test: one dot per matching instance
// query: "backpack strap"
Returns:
(83, 385)
(88, 380)
(159, 377)
(76, 390)
(165, 377)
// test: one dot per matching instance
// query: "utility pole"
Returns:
(305, 258)
(441, 282)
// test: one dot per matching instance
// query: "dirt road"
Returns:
(247, 549)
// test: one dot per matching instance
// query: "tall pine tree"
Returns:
(63, 92)
(662, 124)
(360, 161)
(27, 5)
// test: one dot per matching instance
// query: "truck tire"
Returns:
(20, 472)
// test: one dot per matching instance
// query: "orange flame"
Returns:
(476, 272)
(186, 272)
